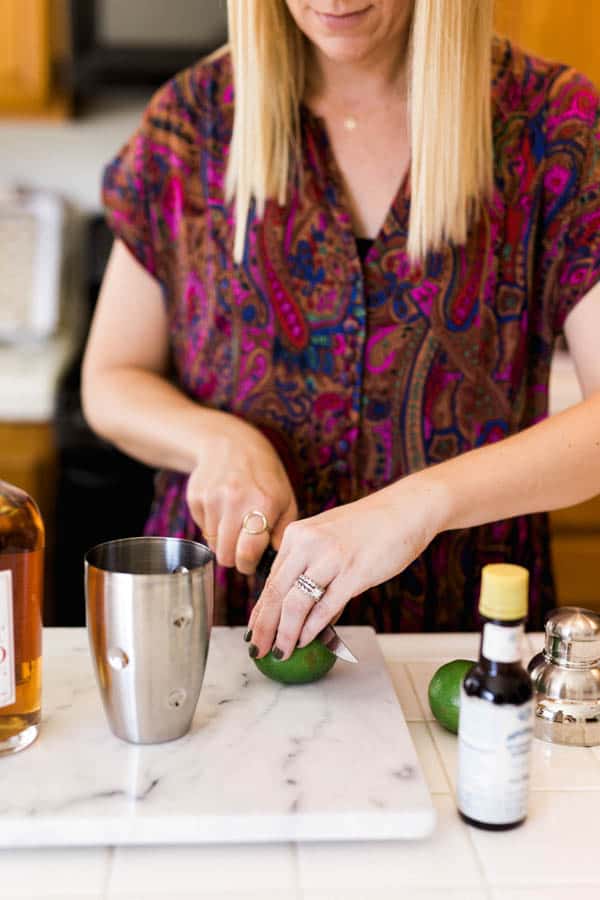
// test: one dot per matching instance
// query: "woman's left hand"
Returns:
(345, 550)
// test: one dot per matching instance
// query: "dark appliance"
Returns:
(140, 42)
(101, 493)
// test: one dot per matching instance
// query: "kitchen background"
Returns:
(74, 78)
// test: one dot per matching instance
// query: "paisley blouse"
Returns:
(360, 372)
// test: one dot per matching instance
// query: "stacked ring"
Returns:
(310, 587)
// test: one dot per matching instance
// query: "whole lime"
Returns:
(444, 692)
(306, 664)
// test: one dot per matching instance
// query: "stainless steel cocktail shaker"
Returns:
(149, 604)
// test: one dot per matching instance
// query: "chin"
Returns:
(344, 50)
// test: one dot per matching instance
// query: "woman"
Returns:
(331, 306)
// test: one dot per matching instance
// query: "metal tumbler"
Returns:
(149, 604)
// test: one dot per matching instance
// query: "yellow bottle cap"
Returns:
(504, 592)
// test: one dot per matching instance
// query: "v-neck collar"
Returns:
(325, 169)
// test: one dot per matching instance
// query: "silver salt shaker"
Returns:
(566, 679)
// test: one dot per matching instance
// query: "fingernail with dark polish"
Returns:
(277, 653)
(252, 651)
(248, 635)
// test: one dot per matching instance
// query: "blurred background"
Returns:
(74, 78)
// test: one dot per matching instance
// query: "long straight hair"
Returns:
(451, 160)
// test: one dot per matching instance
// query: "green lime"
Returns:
(444, 692)
(304, 665)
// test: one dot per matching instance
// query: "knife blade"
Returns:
(333, 642)
(329, 635)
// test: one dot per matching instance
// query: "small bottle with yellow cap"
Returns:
(496, 709)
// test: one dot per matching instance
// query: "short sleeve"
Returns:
(570, 262)
(127, 190)
(147, 188)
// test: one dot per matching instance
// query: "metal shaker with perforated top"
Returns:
(566, 679)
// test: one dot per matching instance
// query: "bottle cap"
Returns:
(504, 592)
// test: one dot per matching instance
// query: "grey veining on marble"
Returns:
(263, 762)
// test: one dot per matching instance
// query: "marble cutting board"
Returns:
(263, 762)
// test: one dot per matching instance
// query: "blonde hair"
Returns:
(450, 113)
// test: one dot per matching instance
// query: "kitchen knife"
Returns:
(329, 636)
(263, 569)
(333, 642)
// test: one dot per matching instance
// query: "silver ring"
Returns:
(255, 514)
(310, 587)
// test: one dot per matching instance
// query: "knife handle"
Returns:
(265, 563)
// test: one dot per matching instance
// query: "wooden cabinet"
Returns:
(24, 54)
(576, 554)
(28, 460)
(567, 32)
(28, 43)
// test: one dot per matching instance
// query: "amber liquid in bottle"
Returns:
(21, 591)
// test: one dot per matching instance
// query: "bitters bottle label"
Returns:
(501, 643)
(494, 744)
(7, 641)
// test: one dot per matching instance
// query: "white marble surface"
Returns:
(553, 856)
(263, 762)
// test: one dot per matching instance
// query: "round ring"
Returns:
(255, 514)
(310, 587)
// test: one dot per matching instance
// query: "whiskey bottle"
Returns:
(21, 587)
(495, 727)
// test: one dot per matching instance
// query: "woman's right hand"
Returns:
(234, 468)
(237, 471)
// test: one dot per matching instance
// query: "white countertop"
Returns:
(564, 389)
(29, 377)
(554, 855)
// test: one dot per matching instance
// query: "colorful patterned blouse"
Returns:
(362, 373)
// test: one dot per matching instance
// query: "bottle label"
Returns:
(502, 643)
(7, 641)
(494, 744)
